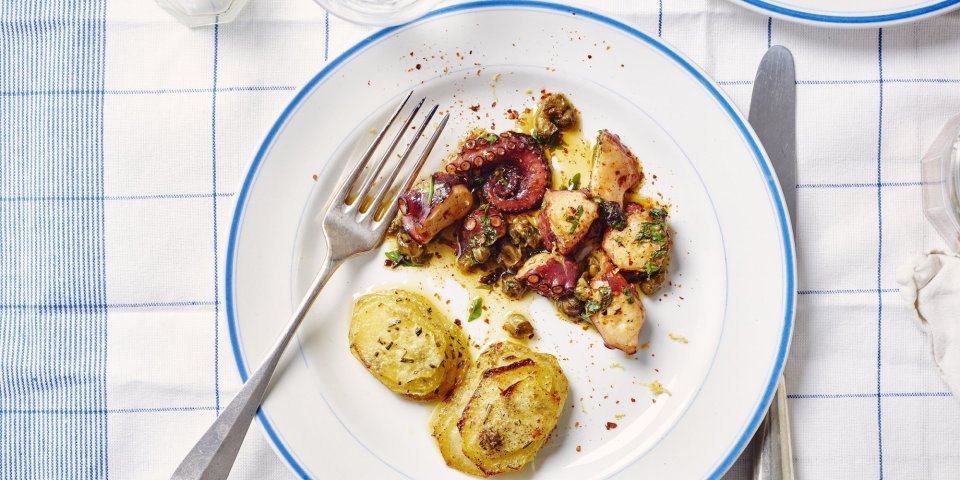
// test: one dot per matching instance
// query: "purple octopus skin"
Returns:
(521, 179)
(483, 219)
(550, 274)
(425, 214)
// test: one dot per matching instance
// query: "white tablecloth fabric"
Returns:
(124, 137)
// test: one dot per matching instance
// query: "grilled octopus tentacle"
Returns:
(515, 167)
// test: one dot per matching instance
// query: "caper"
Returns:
(518, 326)
(466, 262)
(517, 230)
(512, 287)
(409, 247)
(480, 253)
(570, 305)
(509, 255)
(583, 290)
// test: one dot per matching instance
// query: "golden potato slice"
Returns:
(443, 422)
(407, 344)
(512, 412)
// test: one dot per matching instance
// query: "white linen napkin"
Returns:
(931, 282)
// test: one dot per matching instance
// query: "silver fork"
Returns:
(349, 231)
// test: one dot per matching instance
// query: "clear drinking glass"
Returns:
(378, 12)
(940, 172)
(198, 13)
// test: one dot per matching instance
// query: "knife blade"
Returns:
(773, 116)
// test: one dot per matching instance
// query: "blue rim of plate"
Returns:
(759, 155)
(864, 20)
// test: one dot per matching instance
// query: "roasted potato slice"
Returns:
(443, 422)
(512, 412)
(407, 344)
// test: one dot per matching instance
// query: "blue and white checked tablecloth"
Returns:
(124, 136)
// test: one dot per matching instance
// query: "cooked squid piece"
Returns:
(434, 204)
(615, 169)
(565, 219)
(406, 344)
(615, 310)
(643, 246)
(500, 416)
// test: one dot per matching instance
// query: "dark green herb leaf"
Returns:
(574, 183)
(491, 137)
(430, 192)
(398, 259)
(591, 307)
(575, 219)
(629, 294)
(476, 309)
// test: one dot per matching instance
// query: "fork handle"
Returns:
(773, 457)
(213, 455)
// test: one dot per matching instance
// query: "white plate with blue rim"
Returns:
(851, 13)
(732, 293)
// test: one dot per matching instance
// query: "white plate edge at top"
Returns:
(819, 18)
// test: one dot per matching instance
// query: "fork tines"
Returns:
(360, 203)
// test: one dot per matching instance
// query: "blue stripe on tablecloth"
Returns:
(216, 259)
(52, 252)
(880, 251)
(144, 91)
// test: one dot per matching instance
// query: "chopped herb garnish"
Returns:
(593, 306)
(476, 309)
(574, 183)
(397, 259)
(491, 137)
(487, 235)
(430, 192)
(629, 294)
(656, 261)
(654, 231)
(574, 219)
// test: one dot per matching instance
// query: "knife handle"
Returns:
(773, 451)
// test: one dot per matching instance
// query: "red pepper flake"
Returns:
(419, 66)
(456, 321)
(589, 56)
(475, 108)
(512, 114)
(578, 448)
(411, 54)
(493, 105)
(634, 400)
(314, 177)
(611, 425)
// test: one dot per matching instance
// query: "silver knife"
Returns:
(773, 116)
